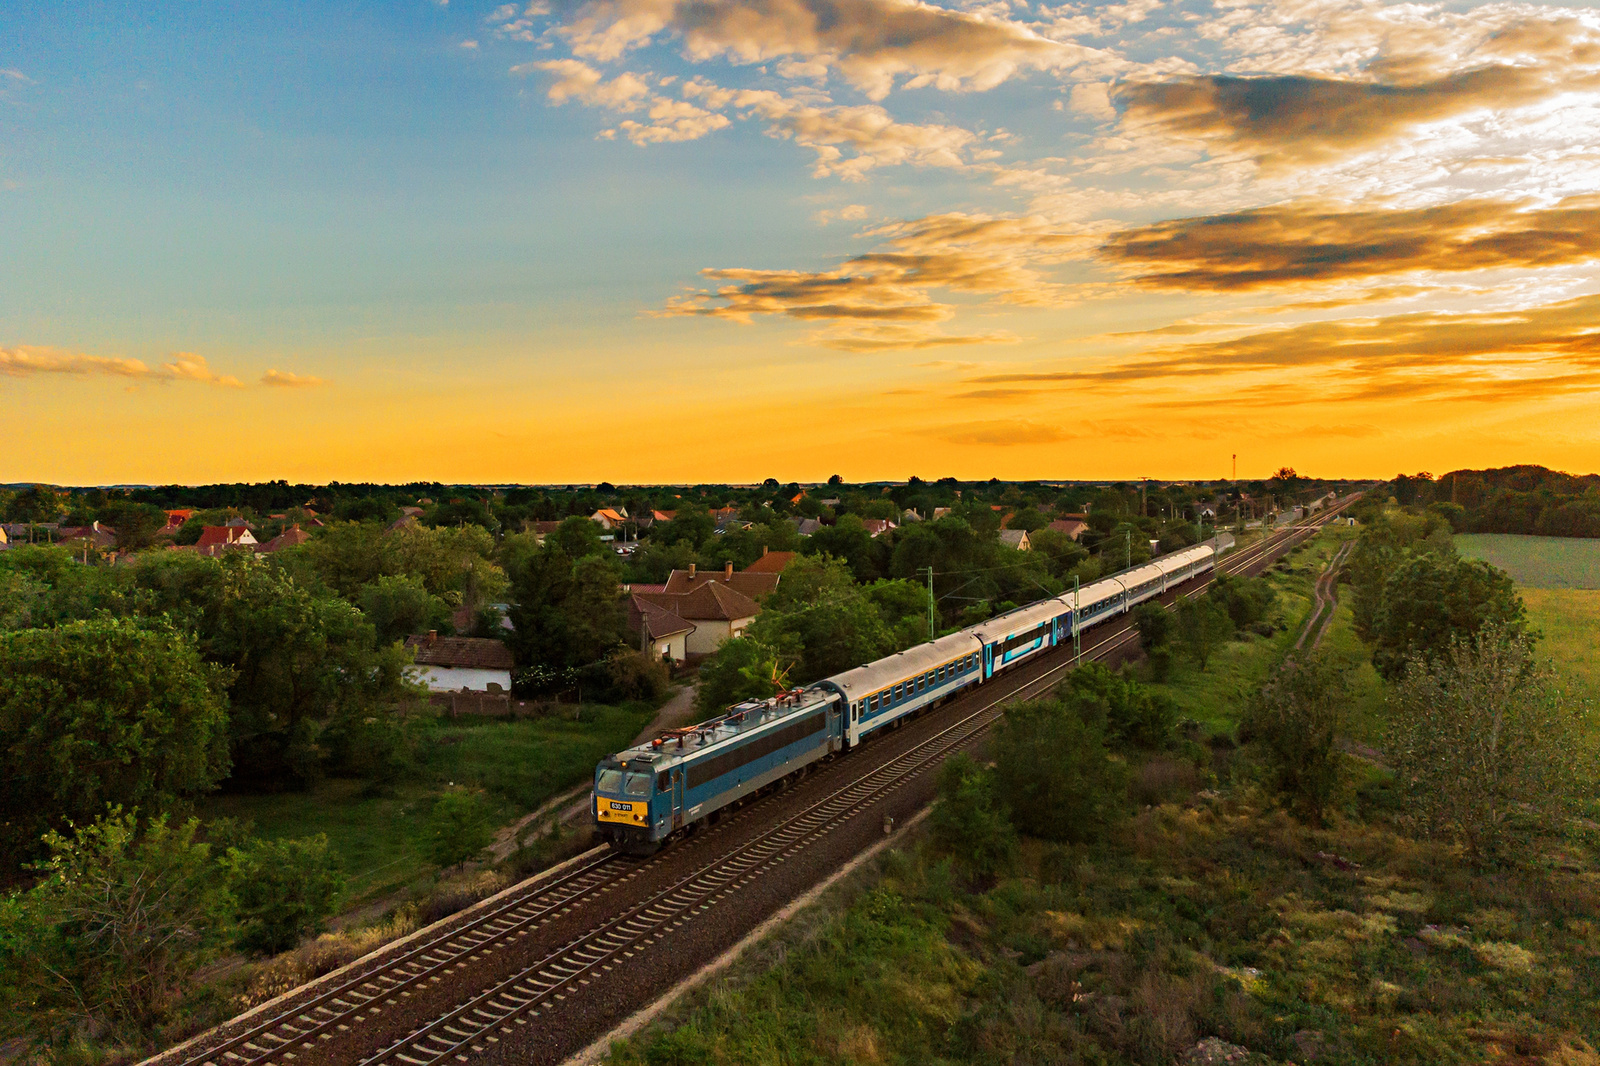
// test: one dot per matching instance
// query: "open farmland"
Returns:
(1537, 562)
(1569, 622)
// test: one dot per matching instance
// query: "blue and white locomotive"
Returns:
(644, 795)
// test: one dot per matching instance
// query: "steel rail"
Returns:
(396, 976)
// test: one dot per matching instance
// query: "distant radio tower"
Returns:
(1236, 466)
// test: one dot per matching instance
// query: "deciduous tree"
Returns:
(103, 711)
(1483, 736)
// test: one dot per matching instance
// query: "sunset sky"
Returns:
(702, 240)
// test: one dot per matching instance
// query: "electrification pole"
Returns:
(1077, 641)
(929, 570)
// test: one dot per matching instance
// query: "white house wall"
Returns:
(454, 679)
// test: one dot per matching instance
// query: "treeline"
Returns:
(1513, 499)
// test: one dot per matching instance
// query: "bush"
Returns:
(967, 821)
(123, 917)
(1484, 736)
(1056, 773)
(1154, 623)
(1293, 721)
(284, 890)
(1129, 714)
(1204, 626)
(458, 828)
(637, 675)
(1160, 664)
(1245, 600)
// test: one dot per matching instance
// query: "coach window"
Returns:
(922, 683)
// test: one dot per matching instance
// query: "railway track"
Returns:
(474, 1024)
(1327, 597)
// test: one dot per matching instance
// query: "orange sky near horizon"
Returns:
(655, 241)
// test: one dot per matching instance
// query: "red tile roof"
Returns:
(771, 563)
(710, 602)
(292, 537)
(745, 582)
(467, 653)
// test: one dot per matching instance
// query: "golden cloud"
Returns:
(1299, 118)
(1483, 357)
(1297, 244)
(961, 253)
(282, 379)
(871, 43)
(27, 360)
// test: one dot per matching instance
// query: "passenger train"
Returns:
(675, 782)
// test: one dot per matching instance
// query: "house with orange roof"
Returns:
(717, 612)
(214, 540)
(292, 537)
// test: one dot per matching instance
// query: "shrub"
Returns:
(1160, 664)
(1056, 773)
(1129, 714)
(1154, 623)
(284, 890)
(637, 675)
(1293, 720)
(1484, 735)
(123, 917)
(1428, 602)
(458, 828)
(967, 821)
(1204, 626)
(1245, 600)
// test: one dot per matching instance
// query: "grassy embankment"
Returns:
(379, 833)
(1211, 915)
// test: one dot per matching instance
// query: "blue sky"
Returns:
(497, 242)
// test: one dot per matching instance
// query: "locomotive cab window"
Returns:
(610, 781)
(637, 785)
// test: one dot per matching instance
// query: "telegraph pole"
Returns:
(929, 571)
(1077, 641)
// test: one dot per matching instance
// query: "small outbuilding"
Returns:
(453, 664)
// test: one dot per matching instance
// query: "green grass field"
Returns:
(378, 833)
(1569, 622)
(1537, 562)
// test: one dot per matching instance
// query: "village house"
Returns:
(1072, 527)
(292, 537)
(877, 526)
(751, 583)
(457, 664)
(771, 562)
(609, 519)
(214, 540)
(98, 536)
(661, 633)
(1015, 538)
(806, 526)
(717, 612)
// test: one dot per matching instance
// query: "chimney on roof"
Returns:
(728, 572)
(691, 571)
(764, 550)
(433, 637)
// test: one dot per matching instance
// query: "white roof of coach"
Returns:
(1180, 559)
(865, 680)
(1094, 593)
(1023, 618)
